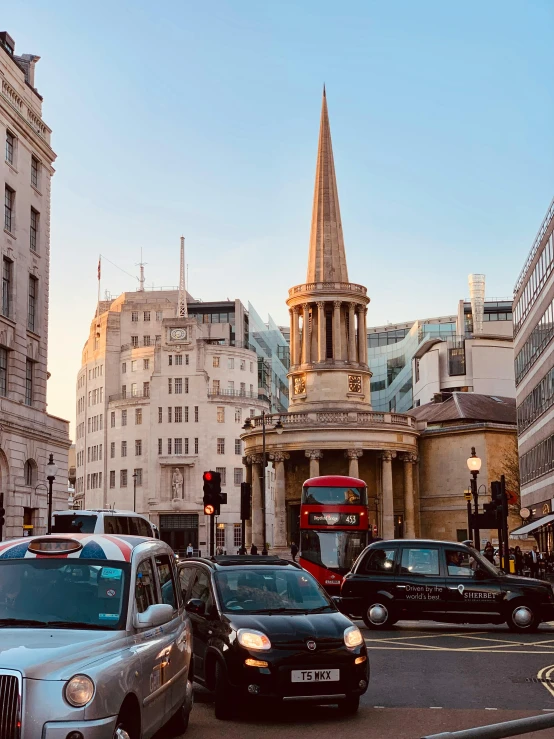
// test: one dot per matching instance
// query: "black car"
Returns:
(264, 628)
(440, 581)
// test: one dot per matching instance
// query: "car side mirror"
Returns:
(197, 606)
(155, 615)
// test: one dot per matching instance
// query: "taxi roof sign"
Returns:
(54, 546)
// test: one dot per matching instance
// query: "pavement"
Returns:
(425, 678)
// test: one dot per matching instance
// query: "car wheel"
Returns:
(379, 615)
(350, 705)
(224, 704)
(179, 723)
(522, 617)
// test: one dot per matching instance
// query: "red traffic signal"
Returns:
(209, 510)
(208, 476)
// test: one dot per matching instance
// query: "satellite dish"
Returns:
(525, 513)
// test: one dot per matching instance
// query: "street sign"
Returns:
(525, 513)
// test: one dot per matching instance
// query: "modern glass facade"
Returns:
(273, 359)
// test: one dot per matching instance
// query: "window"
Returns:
(9, 209)
(138, 416)
(29, 472)
(221, 446)
(112, 419)
(123, 368)
(196, 445)
(35, 172)
(215, 387)
(165, 576)
(112, 478)
(134, 316)
(123, 478)
(123, 418)
(145, 587)
(146, 389)
(195, 414)
(178, 414)
(230, 363)
(159, 315)
(134, 391)
(169, 446)
(186, 414)
(237, 535)
(3, 371)
(380, 560)
(215, 361)
(146, 340)
(178, 359)
(32, 312)
(243, 388)
(133, 365)
(186, 358)
(231, 385)
(160, 415)
(160, 446)
(10, 147)
(34, 229)
(7, 277)
(137, 476)
(186, 384)
(223, 472)
(170, 385)
(123, 391)
(420, 561)
(238, 446)
(201, 589)
(134, 341)
(237, 475)
(169, 412)
(220, 535)
(178, 385)
(459, 563)
(145, 364)
(242, 364)
(238, 415)
(185, 579)
(177, 446)
(28, 382)
(112, 450)
(251, 366)
(170, 359)
(186, 445)
(123, 448)
(221, 414)
(146, 316)
(138, 447)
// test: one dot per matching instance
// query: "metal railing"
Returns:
(309, 287)
(500, 731)
(339, 418)
(227, 393)
(128, 396)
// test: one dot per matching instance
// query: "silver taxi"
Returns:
(95, 642)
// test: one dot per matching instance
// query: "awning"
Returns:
(529, 527)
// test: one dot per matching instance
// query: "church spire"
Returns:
(327, 258)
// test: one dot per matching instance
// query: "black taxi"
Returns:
(440, 581)
(264, 628)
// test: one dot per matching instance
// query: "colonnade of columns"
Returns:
(310, 344)
(254, 472)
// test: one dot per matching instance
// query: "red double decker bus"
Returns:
(334, 527)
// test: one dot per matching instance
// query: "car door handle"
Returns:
(453, 587)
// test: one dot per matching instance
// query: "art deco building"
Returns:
(330, 427)
(28, 434)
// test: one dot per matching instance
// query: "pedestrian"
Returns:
(488, 552)
(533, 561)
(190, 550)
(518, 554)
(253, 549)
(293, 551)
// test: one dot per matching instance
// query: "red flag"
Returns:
(99, 258)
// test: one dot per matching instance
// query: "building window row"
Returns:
(134, 390)
(95, 423)
(81, 404)
(94, 453)
(146, 341)
(7, 295)
(9, 219)
(95, 372)
(95, 396)
(80, 430)
(539, 400)
(177, 446)
(134, 365)
(94, 481)
(537, 461)
(537, 278)
(80, 458)
(11, 154)
(177, 359)
(146, 316)
(536, 342)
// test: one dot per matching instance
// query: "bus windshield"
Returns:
(334, 496)
(334, 550)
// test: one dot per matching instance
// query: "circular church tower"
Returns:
(330, 427)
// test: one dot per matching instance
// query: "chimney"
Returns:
(477, 298)
(28, 62)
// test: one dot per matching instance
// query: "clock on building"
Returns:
(178, 334)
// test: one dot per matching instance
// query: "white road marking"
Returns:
(467, 649)
(491, 709)
(546, 674)
(436, 707)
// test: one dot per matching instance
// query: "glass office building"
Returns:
(272, 349)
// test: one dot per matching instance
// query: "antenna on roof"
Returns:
(141, 278)
(182, 308)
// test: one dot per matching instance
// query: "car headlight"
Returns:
(353, 637)
(79, 691)
(252, 639)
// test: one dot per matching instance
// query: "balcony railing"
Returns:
(227, 393)
(337, 418)
(128, 396)
(341, 287)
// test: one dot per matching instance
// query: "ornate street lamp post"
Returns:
(51, 472)
(474, 465)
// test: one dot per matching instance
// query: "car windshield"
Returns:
(64, 593)
(271, 591)
(334, 550)
(74, 524)
(334, 496)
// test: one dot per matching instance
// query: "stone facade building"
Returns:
(28, 434)
(330, 427)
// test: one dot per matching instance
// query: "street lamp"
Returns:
(474, 465)
(278, 428)
(51, 472)
(135, 491)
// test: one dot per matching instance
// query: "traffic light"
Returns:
(213, 497)
(245, 500)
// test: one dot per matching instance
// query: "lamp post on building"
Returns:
(474, 465)
(135, 491)
(51, 472)
(279, 429)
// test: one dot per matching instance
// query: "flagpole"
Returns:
(98, 301)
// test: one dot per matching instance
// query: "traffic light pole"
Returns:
(264, 462)
(212, 535)
(505, 523)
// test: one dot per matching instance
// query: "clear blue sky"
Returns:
(202, 119)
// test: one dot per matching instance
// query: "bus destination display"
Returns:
(333, 519)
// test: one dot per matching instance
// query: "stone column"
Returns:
(295, 344)
(336, 330)
(409, 460)
(351, 332)
(280, 530)
(306, 354)
(257, 511)
(387, 494)
(360, 310)
(314, 455)
(321, 339)
(364, 334)
(247, 462)
(353, 456)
